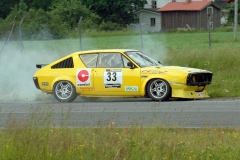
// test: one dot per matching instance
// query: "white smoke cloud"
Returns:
(17, 69)
(154, 47)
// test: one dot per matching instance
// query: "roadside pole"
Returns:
(79, 32)
(20, 35)
(140, 25)
(209, 29)
(8, 36)
(235, 19)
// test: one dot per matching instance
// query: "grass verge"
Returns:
(25, 140)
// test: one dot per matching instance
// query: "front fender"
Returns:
(145, 81)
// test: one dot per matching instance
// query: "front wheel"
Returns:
(158, 90)
(64, 91)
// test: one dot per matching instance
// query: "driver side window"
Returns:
(111, 60)
(125, 61)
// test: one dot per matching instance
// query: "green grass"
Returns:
(24, 140)
(222, 61)
(189, 49)
(184, 49)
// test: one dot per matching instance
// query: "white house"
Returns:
(159, 3)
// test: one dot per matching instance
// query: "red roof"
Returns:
(184, 6)
(229, 1)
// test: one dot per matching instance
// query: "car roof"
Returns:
(96, 51)
(104, 50)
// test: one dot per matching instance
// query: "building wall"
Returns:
(216, 17)
(145, 20)
(194, 19)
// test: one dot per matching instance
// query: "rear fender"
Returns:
(64, 78)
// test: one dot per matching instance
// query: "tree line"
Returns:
(60, 17)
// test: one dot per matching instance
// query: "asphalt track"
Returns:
(125, 112)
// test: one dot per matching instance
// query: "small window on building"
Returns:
(173, 0)
(209, 11)
(154, 4)
(153, 22)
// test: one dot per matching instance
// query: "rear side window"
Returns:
(90, 60)
(67, 63)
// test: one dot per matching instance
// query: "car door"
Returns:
(112, 76)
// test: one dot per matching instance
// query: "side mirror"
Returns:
(159, 62)
(131, 65)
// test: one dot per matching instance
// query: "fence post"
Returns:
(140, 25)
(9, 35)
(235, 19)
(79, 32)
(20, 35)
(209, 28)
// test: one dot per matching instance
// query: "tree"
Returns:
(222, 4)
(69, 11)
(5, 7)
(116, 11)
(41, 4)
(231, 13)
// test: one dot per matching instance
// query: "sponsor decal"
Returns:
(86, 89)
(200, 94)
(131, 88)
(144, 76)
(83, 77)
(112, 85)
(112, 78)
(45, 84)
(152, 72)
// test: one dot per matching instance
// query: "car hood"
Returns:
(183, 69)
(178, 69)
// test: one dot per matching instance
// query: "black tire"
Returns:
(90, 99)
(159, 90)
(64, 91)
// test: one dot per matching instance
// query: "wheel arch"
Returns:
(60, 94)
(149, 80)
(64, 78)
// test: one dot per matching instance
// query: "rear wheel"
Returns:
(64, 91)
(158, 90)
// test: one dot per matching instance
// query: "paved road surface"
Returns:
(125, 112)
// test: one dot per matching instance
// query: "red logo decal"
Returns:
(83, 75)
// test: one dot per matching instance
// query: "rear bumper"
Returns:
(35, 80)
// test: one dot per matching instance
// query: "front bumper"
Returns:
(191, 92)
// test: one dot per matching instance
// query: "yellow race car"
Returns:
(119, 73)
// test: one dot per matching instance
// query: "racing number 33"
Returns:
(111, 76)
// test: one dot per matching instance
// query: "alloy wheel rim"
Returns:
(64, 90)
(158, 88)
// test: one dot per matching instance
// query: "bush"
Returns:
(109, 26)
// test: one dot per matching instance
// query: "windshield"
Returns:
(142, 59)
